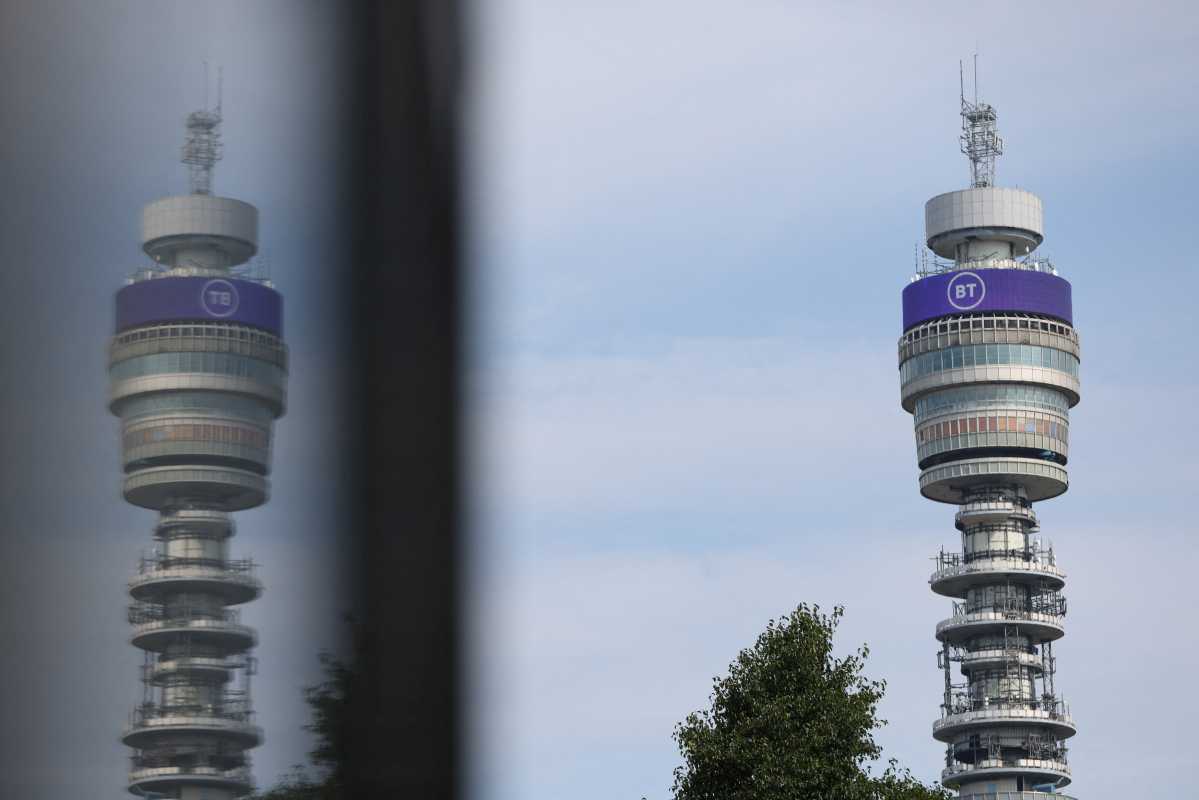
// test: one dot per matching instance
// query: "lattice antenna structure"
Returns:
(203, 148)
(980, 138)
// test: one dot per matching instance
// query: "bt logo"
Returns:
(219, 297)
(966, 290)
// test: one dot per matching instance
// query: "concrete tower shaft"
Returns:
(989, 369)
(198, 372)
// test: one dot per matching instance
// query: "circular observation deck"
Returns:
(952, 580)
(270, 389)
(919, 382)
(164, 779)
(1037, 626)
(1059, 725)
(222, 488)
(232, 582)
(182, 439)
(1040, 770)
(174, 227)
(959, 359)
(145, 731)
(954, 481)
(989, 214)
(225, 635)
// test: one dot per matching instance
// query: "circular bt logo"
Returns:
(219, 297)
(965, 291)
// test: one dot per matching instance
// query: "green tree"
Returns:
(328, 701)
(791, 722)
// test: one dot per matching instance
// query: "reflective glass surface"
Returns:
(980, 355)
(993, 395)
(222, 403)
(211, 363)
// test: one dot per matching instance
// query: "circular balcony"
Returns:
(999, 657)
(200, 668)
(271, 392)
(952, 482)
(226, 488)
(250, 457)
(146, 728)
(178, 222)
(1037, 626)
(225, 634)
(1040, 770)
(954, 577)
(205, 520)
(233, 581)
(951, 725)
(955, 447)
(1062, 381)
(992, 512)
(1015, 795)
(987, 212)
(163, 779)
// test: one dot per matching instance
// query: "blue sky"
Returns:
(693, 223)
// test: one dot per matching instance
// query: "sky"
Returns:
(689, 227)
(693, 221)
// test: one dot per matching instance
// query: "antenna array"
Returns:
(980, 138)
(203, 148)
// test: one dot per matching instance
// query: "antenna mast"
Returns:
(980, 138)
(202, 148)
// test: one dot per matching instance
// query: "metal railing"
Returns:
(1034, 555)
(1013, 651)
(254, 270)
(142, 612)
(154, 563)
(216, 756)
(1046, 603)
(964, 703)
(929, 263)
(235, 710)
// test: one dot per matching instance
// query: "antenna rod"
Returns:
(980, 140)
(976, 79)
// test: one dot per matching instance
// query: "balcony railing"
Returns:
(1047, 603)
(964, 703)
(240, 775)
(235, 710)
(142, 612)
(152, 564)
(1040, 556)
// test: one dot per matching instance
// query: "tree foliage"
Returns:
(328, 701)
(791, 722)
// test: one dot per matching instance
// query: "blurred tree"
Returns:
(791, 722)
(329, 701)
